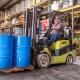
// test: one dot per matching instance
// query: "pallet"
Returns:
(78, 49)
(78, 54)
(78, 45)
(15, 69)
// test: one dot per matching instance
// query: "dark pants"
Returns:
(53, 38)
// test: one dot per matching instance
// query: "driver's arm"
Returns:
(57, 27)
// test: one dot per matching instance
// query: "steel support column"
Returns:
(11, 31)
(73, 21)
(48, 18)
(48, 5)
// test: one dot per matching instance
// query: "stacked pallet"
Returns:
(77, 46)
(78, 49)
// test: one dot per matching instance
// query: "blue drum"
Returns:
(21, 51)
(6, 48)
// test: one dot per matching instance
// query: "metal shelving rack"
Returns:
(47, 3)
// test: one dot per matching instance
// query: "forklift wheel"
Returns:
(43, 60)
(69, 60)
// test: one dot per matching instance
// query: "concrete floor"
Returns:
(77, 60)
(57, 72)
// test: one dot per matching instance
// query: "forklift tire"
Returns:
(69, 60)
(43, 60)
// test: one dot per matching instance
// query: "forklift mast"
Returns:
(32, 28)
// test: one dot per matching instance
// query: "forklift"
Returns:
(61, 51)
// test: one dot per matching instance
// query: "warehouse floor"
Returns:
(57, 72)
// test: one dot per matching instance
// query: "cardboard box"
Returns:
(38, 1)
(56, 5)
(78, 1)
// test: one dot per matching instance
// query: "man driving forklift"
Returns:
(65, 47)
(57, 31)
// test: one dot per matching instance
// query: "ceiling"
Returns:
(4, 4)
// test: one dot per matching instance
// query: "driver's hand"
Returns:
(52, 28)
(51, 32)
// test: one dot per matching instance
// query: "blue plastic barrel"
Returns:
(6, 48)
(21, 51)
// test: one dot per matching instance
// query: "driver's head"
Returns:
(57, 20)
